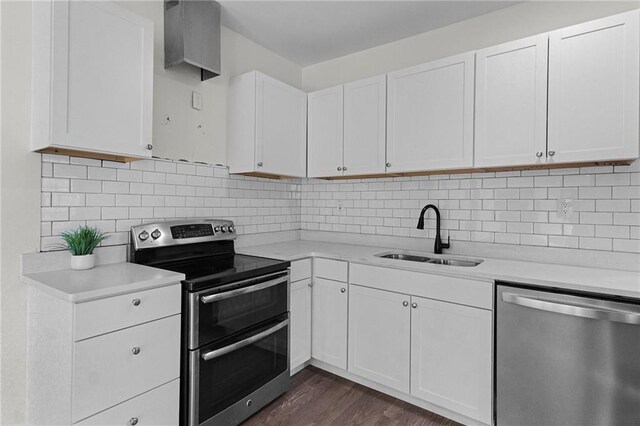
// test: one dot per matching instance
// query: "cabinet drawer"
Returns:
(450, 289)
(330, 269)
(300, 269)
(108, 372)
(113, 313)
(159, 406)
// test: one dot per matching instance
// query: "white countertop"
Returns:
(606, 281)
(101, 281)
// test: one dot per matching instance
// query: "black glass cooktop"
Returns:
(212, 271)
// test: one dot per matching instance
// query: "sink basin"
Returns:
(409, 257)
(454, 262)
(432, 260)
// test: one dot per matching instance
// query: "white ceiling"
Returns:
(308, 32)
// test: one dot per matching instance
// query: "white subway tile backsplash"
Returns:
(501, 207)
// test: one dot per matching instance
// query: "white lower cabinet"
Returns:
(329, 322)
(300, 320)
(379, 334)
(156, 407)
(451, 356)
(430, 337)
(100, 369)
(114, 367)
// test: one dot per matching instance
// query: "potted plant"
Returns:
(81, 243)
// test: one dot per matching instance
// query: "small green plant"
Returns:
(83, 240)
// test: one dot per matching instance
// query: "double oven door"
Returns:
(238, 349)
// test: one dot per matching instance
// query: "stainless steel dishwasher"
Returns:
(566, 359)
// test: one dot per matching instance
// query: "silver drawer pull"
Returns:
(135, 350)
(136, 302)
(242, 343)
(133, 421)
(244, 290)
(582, 310)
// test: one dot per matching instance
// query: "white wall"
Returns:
(521, 20)
(19, 192)
(180, 137)
(20, 168)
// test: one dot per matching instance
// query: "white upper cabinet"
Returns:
(593, 90)
(92, 80)
(267, 126)
(365, 126)
(325, 133)
(430, 116)
(347, 129)
(511, 103)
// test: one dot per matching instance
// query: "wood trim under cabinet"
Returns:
(88, 154)
(488, 169)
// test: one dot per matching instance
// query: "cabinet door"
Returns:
(430, 116)
(300, 307)
(511, 103)
(379, 336)
(325, 132)
(451, 357)
(329, 323)
(365, 126)
(281, 128)
(93, 78)
(593, 90)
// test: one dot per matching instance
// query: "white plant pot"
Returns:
(80, 263)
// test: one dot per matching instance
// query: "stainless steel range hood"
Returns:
(192, 35)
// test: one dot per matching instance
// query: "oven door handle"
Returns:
(260, 286)
(242, 343)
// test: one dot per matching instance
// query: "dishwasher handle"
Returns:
(583, 310)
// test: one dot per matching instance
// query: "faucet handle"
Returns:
(448, 244)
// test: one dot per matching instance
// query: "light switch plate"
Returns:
(196, 101)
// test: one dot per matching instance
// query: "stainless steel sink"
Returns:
(409, 257)
(432, 260)
(454, 262)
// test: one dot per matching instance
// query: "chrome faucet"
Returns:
(438, 246)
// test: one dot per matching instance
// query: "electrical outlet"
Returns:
(565, 208)
(340, 209)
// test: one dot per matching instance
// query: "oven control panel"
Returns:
(181, 232)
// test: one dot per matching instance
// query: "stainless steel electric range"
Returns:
(235, 318)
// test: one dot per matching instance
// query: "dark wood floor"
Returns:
(317, 397)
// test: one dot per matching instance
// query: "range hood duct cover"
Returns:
(192, 35)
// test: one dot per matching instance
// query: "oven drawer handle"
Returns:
(244, 290)
(582, 310)
(241, 344)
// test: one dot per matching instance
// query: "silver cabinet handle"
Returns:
(414, 305)
(135, 350)
(339, 169)
(342, 290)
(260, 164)
(552, 153)
(405, 303)
(244, 290)
(583, 310)
(242, 343)
(388, 164)
(538, 154)
(149, 147)
(133, 421)
(136, 302)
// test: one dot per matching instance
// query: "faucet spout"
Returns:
(438, 245)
